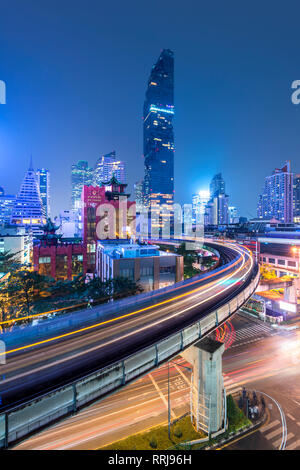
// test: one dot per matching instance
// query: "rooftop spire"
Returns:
(30, 164)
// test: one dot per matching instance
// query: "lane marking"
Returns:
(161, 395)
(270, 425)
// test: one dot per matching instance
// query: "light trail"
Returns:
(88, 328)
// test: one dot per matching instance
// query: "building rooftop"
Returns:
(123, 249)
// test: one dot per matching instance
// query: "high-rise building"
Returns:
(199, 202)
(43, 179)
(139, 195)
(296, 202)
(28, 210)
(81, 175)
(216, 210)
(159, 137)
(233, 215)
(217, 185)
(276, 200)
(107, 166)
(7, 203)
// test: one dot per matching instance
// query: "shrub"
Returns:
(177, 432)
(153, 443)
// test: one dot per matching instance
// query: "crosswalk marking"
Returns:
(293, 446)
(270, 425)
(291, 417)
(274, 433)
(278, 442)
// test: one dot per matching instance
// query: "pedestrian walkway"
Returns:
(273, 433)
(252, 333)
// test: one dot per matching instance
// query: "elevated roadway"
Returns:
(142, 334)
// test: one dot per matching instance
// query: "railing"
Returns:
(24, 419)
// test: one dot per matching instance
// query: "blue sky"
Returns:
(76, 75)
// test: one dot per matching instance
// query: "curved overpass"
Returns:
(85, 363)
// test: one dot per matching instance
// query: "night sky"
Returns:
(76, 75)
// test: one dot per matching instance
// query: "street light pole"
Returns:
(169, 407)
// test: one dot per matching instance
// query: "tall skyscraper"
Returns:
(159, 136)
(81, 174)
(216, 211)
(217, 185)
(43, 180)
(7, 203)
(28, 210)
(139, 195)
(296, 202)
(199, 202)
(276, 200)
(107, 166)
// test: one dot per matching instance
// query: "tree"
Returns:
(9, 261)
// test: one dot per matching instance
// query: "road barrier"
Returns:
(23, 420)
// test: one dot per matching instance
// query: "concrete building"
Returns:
(28, 210)
(7, 203)
(17, 241)
(145, 264)
(276, 200)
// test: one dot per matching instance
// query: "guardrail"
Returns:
(23, 420)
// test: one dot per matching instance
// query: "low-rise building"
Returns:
(145, 264)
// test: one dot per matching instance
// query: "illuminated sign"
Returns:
(288, 307)
(161, 110)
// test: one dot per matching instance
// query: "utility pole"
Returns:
(169, 407)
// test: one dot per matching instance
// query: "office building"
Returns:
(159, 139)
(28, 210)
(7, 203)
(43, 180)
(107, 166)
(17, 241)
(81, 174)
(144, 264)
(216, 210)
(296, 199)
(276, 200)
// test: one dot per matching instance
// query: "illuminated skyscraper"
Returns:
(43, 180)
(7, 203)
(81, 174)
(296, 202)
(159, 136)
(107, 166)
(28, 210)
(276, 201)
(216, 211)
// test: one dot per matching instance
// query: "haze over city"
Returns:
(76, 82)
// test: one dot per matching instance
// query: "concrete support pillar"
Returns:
(207, 391)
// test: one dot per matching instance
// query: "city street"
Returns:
(257, 357)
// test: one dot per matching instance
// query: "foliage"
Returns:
(236, 418)
(9, 261)
(159, 434)
(267, 273)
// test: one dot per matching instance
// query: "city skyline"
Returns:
(208, 138)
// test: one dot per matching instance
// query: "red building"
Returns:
(57, 257)
(106, 214)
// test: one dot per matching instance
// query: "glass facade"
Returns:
(81, 174)
(159, 136)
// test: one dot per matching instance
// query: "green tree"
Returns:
(9, 261)
(24, 288)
